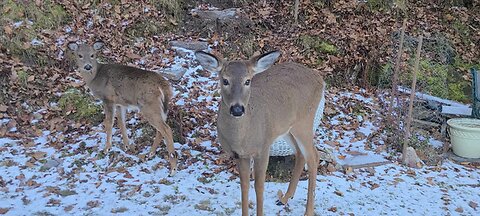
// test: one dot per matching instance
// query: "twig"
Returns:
(473, 28)
(297, 3)
(395, 71)
(412, 98)
(366, 165)
(427, 123)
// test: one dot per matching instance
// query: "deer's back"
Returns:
(286, 84)
(129, 86)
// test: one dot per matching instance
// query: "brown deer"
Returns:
(121, 87)
(260, 103)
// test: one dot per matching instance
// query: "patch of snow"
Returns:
(17, 24)
(36, 42)
(435, 143)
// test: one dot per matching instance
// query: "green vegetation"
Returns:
(172, 8)
(443, 81)
(440, 80)
(81, 105)
(315, 44)
(280, 168)
(147, 27)
(378, 5)
(462, 30)
(23, 21)
(382, 5)
(425, 151)
(22, 77)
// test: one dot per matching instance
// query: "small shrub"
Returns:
(173, 9)
(81, 105)
(314, 43)
(425, 151)
(22, 77)
(433, 78)
(32, 20)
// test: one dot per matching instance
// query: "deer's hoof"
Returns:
(279, 203)
(151, 155)
(105, 151)
(172, 172)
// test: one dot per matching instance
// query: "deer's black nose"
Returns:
(237, 110)
(88, 67)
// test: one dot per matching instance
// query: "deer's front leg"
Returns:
(109, 111)
(244, 171)
(260, 169)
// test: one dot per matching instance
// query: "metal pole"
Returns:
(475, 94)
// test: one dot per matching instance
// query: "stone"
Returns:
(50, 164)
(411, 158)
(174, 74)
(190, 45)
(222, 15)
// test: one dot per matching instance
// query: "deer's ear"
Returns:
(264, 61)
(72, 46)
(208, 61)
(98, 45)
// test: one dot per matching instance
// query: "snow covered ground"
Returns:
(42, 178)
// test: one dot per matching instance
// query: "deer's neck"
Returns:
(89, 77)
(233, 128)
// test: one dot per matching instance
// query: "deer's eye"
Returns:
(80, 56)
(247, 83)
(92, 56)
(225, 82)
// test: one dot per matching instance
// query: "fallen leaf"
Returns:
(332, 209)
(93, 203)
(338, 193)
(133, 56)
(8, 30)
(374, 186)
(65, 193)
(331, 167)
(472, 204)
(355, 153)
(68, 208)
(331, 143)
(348, 170)
(39, 155)
(4, 210)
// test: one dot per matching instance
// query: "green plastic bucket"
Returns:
(465, 137)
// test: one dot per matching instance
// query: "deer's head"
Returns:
(236, 77)
(86, 56)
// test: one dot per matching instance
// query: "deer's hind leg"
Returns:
(297, 171)
(109, 109)
(156, 116)
(304, 138)
(121, 117)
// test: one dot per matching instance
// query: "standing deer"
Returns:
(121, 87)
(259, 104)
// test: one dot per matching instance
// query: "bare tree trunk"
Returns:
(297, 3)
(395, 72)
(412, 98)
